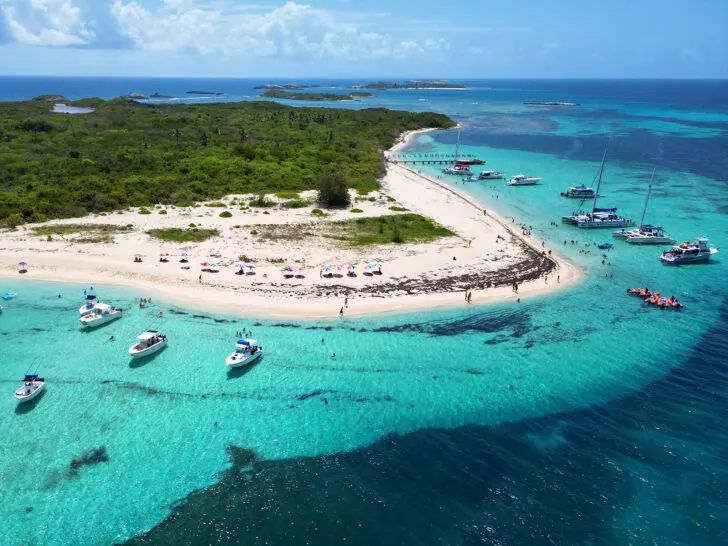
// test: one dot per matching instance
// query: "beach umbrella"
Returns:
(184, 254)
(352, 266)
(204, 264)
(287, 268)
(164, 254)
(213, 265)
(239, 266)
(138, 255)
(22, 263)
(338, 268)
(250, 266)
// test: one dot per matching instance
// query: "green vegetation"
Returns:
(226, 214)
(395, 208)
(318, 212)
(356, 210)
(216, 204)
(412, 84)
(285, 194)
(144, 211)
(296, 204)
(333, 190)
(128, 154)
(400, 228)
(87, 233)
(163, 211)
(179, 235)
(297, 95)
(261, 200)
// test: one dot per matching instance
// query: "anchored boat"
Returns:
(150, 342)
(32, 387)
(646, 234)
(523, 180)
(600, 218)
(246, 352)
(101, 314)
(698, 251)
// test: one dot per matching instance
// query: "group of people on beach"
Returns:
(143, 302)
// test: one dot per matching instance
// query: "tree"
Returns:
(333, 190)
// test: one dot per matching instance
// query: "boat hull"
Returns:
(93, 323)
(679, 260)
(235, 363)
(650, 240)
(21, 397)
(605, 224)
(148, 351)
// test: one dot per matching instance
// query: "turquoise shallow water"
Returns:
(584, 402)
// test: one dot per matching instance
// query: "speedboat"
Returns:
(8, 295)
(246, 352)
(698, 251)
(32, 387)
(491, 175)
(150, 342)
(523, 180)
(89, 305)
(579, 192)
(458, 169)
(101, 314)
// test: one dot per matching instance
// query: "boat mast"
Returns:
(647, 199)
(599, 182)
(457, 147)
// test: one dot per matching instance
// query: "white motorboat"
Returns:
(698, 251)
(150, 342)
(646, 234)
(101, 314)
(601, 218)
(246, 352)
(462, 170)
(579, 192)
(491, 175)
(523, 180)
(89, 305)
(32, 387)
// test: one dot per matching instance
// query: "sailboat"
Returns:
(602, 218)
(646, 234)
(465, 161)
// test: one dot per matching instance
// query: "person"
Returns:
(546, 279)
(200, 278)
(112, 338)
(346, 301)
(84, 291)
(519, 300)
(341, 312)
(558, 279)
(333, 356)
(485, 213)
(59, 296)
(322, 340)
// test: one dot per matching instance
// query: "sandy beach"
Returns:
(485, 257)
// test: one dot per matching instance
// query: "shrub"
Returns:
(296, 204)
(226, 214)
(163, 211)
(261, 201)
(254, 232)
(286, 194)
(356, 210)
(144, 211)
(183, 235)
(245, 258)
(332, 190)
(193, 225)
(318, 212)
(398, 209)
(396, 235)
(217, 204)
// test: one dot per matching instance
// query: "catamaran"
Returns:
(101, 314)
(32, 387)
(246, 352)
(89, 305)
(698, 251)
(646, 234)
(459, 169)
(600, 218)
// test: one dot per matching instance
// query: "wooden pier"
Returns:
(428, 159)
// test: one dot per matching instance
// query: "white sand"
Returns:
(427, 271)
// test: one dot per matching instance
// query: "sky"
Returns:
(355, 38)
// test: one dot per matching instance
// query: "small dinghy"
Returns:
(150, 342)
(32, 387)
(606, 246)
(8, 295)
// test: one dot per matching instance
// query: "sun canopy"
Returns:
(103, 306)
(606, 210)
(147, 335)
(246, 342)
(31, 375)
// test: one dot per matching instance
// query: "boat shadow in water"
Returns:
(144, 360)
(236, 373)
(27, 407)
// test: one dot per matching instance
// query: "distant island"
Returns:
(286, 86)
(412, 84)
(140, 96)
(280, 94)
(203, 93)
(50, 98)
(552, 103)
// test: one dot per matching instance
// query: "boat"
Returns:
(462, 170)
(246, 352)
(579, 192)
(32, 387)
(89, 305)
(646, 234)
(150, 342)
(465, 161)
(523, 180)
(491, 175)
(687, 252)
(7, 296)
(601, 218)
(101, 314)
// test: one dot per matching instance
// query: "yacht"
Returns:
(150, 342)
(101, 314)
(246, 352)
(579, 192)
(601, 218)
(698, 251)
(89, 305)
(462, 170)
(32, 387)
(646, 234)
(523, 180)
(491, 175)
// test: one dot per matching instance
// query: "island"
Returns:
(280, 94)
(286, 86)
(136, 96)
(412, 84)
(50, 98)
(203, 93)
(551, 103)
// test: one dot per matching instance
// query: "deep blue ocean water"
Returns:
(583, 417)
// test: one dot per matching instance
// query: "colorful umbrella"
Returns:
(239, 266)
(184, 254)
(352, 267)
(287, 269)
(164, 254)
(22, 263)
(204, 264)
(250, 266)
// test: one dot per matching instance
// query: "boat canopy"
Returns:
(147, 335)
(103, 306)
(246, 342)
(31, 375)
(614, 209)
(90, 297)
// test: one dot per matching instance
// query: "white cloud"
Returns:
(290, 31)
(46, 22)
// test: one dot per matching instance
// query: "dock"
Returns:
(431, 159)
